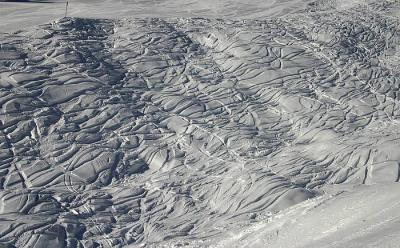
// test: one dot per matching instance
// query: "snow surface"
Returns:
(17, 15)
(156, 128)
(359, 217)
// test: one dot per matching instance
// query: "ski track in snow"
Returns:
(158, 131)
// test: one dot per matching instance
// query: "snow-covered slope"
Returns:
(360, 217)
(202, 131)
(15, 15)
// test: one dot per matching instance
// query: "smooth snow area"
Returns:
(365, 217)
(246, 130)
(14, 15)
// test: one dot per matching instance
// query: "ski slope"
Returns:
(173, 130)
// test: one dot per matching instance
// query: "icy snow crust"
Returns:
(176, 131)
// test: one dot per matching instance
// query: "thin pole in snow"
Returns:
(66, 8)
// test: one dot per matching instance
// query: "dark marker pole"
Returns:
(66, 9)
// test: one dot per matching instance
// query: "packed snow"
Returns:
(200, 124)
